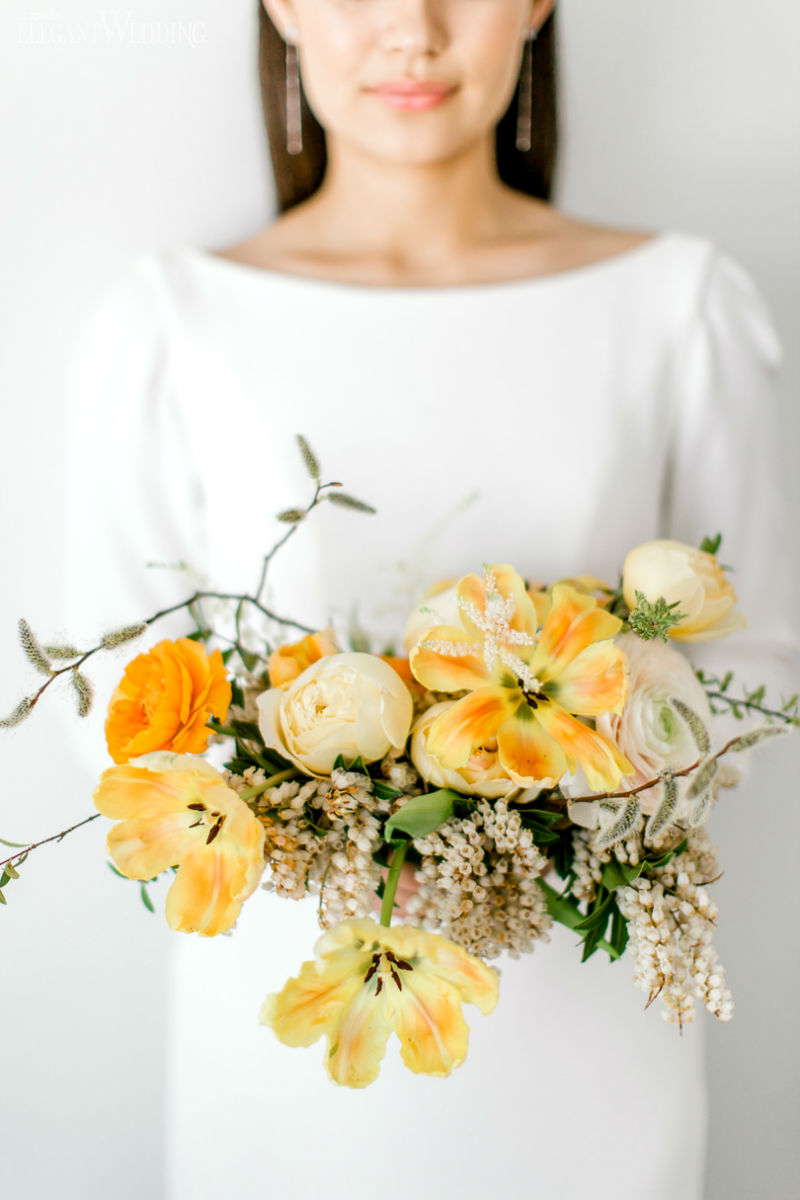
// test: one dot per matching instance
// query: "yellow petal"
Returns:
(426, 1016)
(593, 683)
(574, 622)
(356, 1049)
(208, 890)
(730, 622)
(448, 660)
(129, 791)
(146, 846)
(313, 1003)
(602, 762)
(469, 722)
(475, 982)
(528, 752)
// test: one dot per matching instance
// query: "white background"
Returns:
(677, 116)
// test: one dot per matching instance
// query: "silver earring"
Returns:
(294, 122)
(525, 98)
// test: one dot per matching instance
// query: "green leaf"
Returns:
(148, 903)
(3, 899)
(249, 659)
(619, 932)
(421, 815)
(383, 791)
(4, 878)
(711, 545)
(357, 764)
(617, 874)
(543, 815)
(116, 872)
(598, 913)
(16, 845)
(564, 909)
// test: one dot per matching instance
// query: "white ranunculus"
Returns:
(349, 704)
(439, 606)
(692, 578)
(482, 776)
(648, 731)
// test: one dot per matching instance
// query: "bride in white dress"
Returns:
(503, 383)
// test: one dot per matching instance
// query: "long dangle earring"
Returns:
(294, 121)
(525, 97)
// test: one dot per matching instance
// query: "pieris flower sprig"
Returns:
(545, 753)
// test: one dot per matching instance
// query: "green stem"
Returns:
(271, 781)
(392, 880)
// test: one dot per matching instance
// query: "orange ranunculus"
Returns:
(164, 700)
(288, 662)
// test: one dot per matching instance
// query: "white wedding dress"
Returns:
(552, 423)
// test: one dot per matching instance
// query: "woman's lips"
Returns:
(413, 96)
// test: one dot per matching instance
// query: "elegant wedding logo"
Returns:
(109, 26)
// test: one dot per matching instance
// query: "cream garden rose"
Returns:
(351, 704)
(482, 775)
(649, 731)
(691, 577)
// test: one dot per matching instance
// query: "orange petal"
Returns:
(602, 762)
(574, 622)
(528, 752)
(470, 722)
(448, 660)
(594, 682)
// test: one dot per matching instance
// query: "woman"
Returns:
(503, 382)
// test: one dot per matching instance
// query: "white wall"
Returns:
(679, 116)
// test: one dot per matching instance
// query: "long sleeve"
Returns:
(132, 495)
(726, 474)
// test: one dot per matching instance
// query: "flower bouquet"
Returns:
(543, 752)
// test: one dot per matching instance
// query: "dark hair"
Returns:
(297, 176)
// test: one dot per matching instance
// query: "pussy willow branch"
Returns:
(165, 612)
(55, 837)
(317, 498)
(642, 787)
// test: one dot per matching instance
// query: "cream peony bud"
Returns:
(439, 606)
(649, 731)
(482, 776)
(349, 704)
(693, 578)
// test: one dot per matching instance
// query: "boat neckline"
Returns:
(207, 257)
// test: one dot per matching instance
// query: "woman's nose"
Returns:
(413, 25)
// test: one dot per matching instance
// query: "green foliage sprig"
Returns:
(721, 700)
(653, 619)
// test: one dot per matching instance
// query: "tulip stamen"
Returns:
(198, 806)
(382, 968)
(215, 828)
